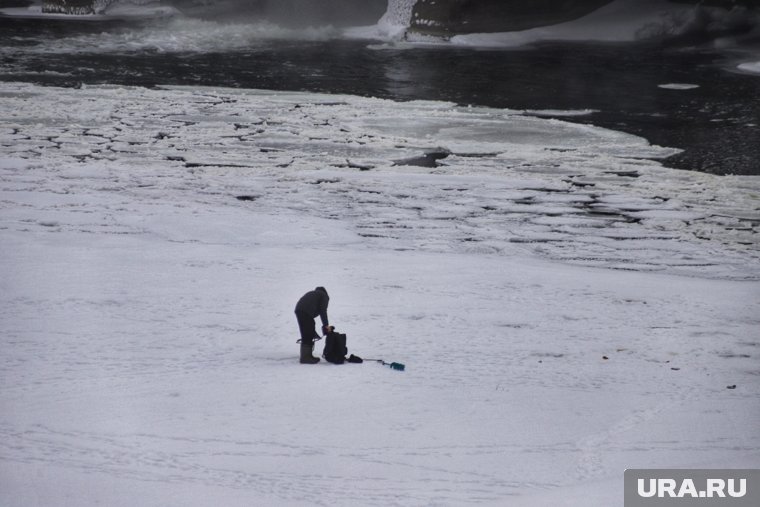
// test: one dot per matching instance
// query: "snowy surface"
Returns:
(565, 305)
(116, 11)
(752, 67)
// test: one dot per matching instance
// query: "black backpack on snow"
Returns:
(335, 348)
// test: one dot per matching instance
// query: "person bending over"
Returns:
(313, 304)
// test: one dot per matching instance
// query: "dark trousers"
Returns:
(306, 327)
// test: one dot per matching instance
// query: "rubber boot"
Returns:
(306, 349)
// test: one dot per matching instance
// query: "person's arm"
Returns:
(324, 301)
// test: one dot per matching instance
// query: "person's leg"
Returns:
(306, 327)
(308, 332)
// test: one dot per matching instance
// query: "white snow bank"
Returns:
(153, 244)
(751, 67)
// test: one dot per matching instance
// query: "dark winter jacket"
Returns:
(314, 303)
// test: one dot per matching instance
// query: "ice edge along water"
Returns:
(565, 305)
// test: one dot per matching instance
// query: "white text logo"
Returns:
(671, 488)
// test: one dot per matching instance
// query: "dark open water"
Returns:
(717, 124)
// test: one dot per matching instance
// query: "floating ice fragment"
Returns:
(560, 112)
(678, 86)
(751, 67)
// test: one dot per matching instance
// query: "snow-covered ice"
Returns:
(679, 86)
(123, 11)
(566, 306)
(751, 67)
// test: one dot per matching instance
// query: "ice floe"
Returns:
(408, 175)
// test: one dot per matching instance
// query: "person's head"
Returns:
(321, 289)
